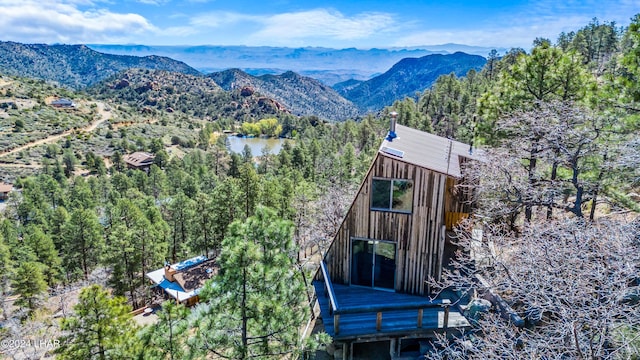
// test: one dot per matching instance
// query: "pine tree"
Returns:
(46, 253)
(225, 199)
(256, 304)
(181, 212)
(83, 243)
(166, 338)
(101, 328)
(70, 162)
(203, 224)
(29, 283)
(249, 187)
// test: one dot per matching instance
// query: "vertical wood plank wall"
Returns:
(418, 235)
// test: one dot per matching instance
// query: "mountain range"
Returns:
(78, 66)
(328, 65)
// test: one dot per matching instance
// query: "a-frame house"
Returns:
(372, 285)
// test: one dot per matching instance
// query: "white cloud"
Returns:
(55, 21)
(323, 23)
(153, 2)
(296, 27)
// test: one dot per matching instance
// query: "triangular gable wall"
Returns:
(419, 235)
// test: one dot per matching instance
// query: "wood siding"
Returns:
(419, 236)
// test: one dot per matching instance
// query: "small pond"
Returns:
(256, 144)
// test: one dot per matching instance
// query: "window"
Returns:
(392, 195)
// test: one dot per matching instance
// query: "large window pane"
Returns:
(392, 195)
(402, 195)
(380, 194)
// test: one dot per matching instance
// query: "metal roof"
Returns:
(139, 158)
(427, 150)
(62, 102)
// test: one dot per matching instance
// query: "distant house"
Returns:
(139, 160)
(5, 189)
(184, 280)
(393, 239)
(63, 103)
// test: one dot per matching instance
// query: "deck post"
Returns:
(336, 324)
(379, 320)
(445, 324)
(393, 346)
(420, 313)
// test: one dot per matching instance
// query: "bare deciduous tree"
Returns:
(576, 284)
(552, 157)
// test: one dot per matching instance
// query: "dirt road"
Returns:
(104, 116)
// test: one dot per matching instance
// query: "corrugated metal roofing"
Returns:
(427, 150)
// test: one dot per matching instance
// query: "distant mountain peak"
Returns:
(300, 94)
(405, 78)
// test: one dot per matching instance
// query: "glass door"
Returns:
(361, 262)
(384, 263)
(373, 263)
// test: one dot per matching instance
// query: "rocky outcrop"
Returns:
(291, 92)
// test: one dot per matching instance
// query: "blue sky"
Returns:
(337, 24)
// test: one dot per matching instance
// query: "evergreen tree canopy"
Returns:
(101, 328)
(255, 305)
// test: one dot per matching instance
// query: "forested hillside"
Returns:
(163, 93)
(556, 199)
(75, 66)
(406, 78)
(125, 223)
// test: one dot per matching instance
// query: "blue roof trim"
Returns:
(168, 285)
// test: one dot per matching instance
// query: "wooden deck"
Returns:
(355, 322)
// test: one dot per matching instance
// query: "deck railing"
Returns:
(328, 289)
(379, 309)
